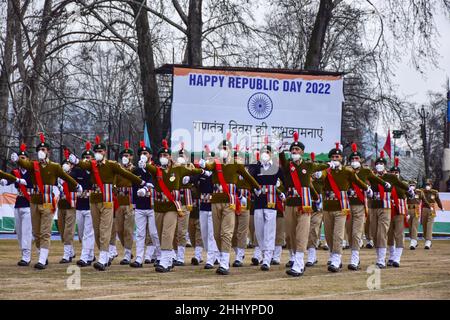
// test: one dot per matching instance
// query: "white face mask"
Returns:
(428, 187)
(318, 174)
(164, 161)
(336, 163)
(265, 157)
(41, 155)
(413, 188)
(181, 160)
(66, 167)
(223, 154)
(144, 158)
(296, 157)
(98, 156)
(125, 161)
(379, 167)
(355, 164)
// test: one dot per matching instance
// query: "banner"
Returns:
(251, 105)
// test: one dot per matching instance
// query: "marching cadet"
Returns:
(429, 211)
(101, 197)
(144, 213)
(187, 205)
(241, 225)
(380, 207)
(396, 236)
(22, 181)
(336, 205)
(316, 217)
(168, 204)
(66, 212)
(297, 175)
(44, 175)
(280, 238)
(194, 229)
(124, 215)
(267, 174)
(225, 200)
(83, 210)
(415, 203)
(257, 254)
(358, 204)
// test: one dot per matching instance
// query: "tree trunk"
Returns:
(5, 72)
(317, 38)
(148, 76)
(194, 33)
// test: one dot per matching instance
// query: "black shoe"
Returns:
(325, 247)
(328, 263)
(412, 248)
(93, 260)
(46, 262)
(23, 263)
(237, 264)
(389, 263)
(332, 268)
(255, 262)
(208, 266)
(381, 266)
(265, 267)
(124, 262)
(136, 265)
(289, 264)
(82, 263)
(195, 262)
(274, 263)
(427, 247)
(110, 260)
(353, 267)
(39, 266)
(65, 260)
(369, 246)
(99, 266)
(161, 269)
(216, 262)
(310, 264)
(147, 261)
(293, 273)
(188, 245)
(396, 264)
(222, 271)
(250, 246)
(178, 263)
(156, 263)
(346, 247)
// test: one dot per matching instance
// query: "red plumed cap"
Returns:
(126, 144)
(228, 136)
(295, 136)
(313, 156)
(66, 153)
(41, 137)
(266, 140)
(23, 147)
(257, 155)
(97, 140)
(165, 144)
(88, 145)
(354, 147)
(396, 161)
(382, 154)
(207, 149)
(337, 145)
(142, 143)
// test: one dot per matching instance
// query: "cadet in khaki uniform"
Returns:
(429, 212)
(415, 203)
(168, 207)
(101, 198)
(399, 210)
(298, 209)
(358, 205)
(225, 201)
(44, 175)
(124, 215)
(67, 212)
(336, 206)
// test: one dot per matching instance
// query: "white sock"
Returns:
(355, 258)
(225, 260)
(198, 253)
(43, 255)
(312, 255)
(127, 255)
(299, 264)
(391, 253)
(26, 255)
(180, 254)
(398, 254)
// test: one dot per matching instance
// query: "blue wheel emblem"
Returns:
(260, 106)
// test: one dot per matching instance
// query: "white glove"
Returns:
(142, 164)
(79, 188)
(243, 201)
(279, 145)
(257, 192)
(3, 182)
(14, 157)
(141, 192)
(319, 204)
(150, 185)
(207, 173)
(331, 164)
(186, 179)
(21, 181)
(73, 159)
(282, 196)
(407, 217)
(387, 185)
(369, 192)
(60, 182)
(278, 183)
(351, 192)
(202, 163)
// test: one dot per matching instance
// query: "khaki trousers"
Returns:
(195, 233)
(380, 220)
(251, 228)
(314, 229)
(297, 227)
(182, 229)
(334, 224)
(367, 231)
(413, 224)
(427, 220)
(355, 225)
(41, 221)
(124, 224)
(223, 222)
(279, 235)
(166, 224)
(241, 227)
(66, 225)
(102, 219)
(396, 236)
(112, 240)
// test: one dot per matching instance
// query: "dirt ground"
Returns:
(424, 274)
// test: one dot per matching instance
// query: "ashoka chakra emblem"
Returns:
(260, 105)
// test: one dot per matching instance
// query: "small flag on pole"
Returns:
(147, 137)
(387, 145)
